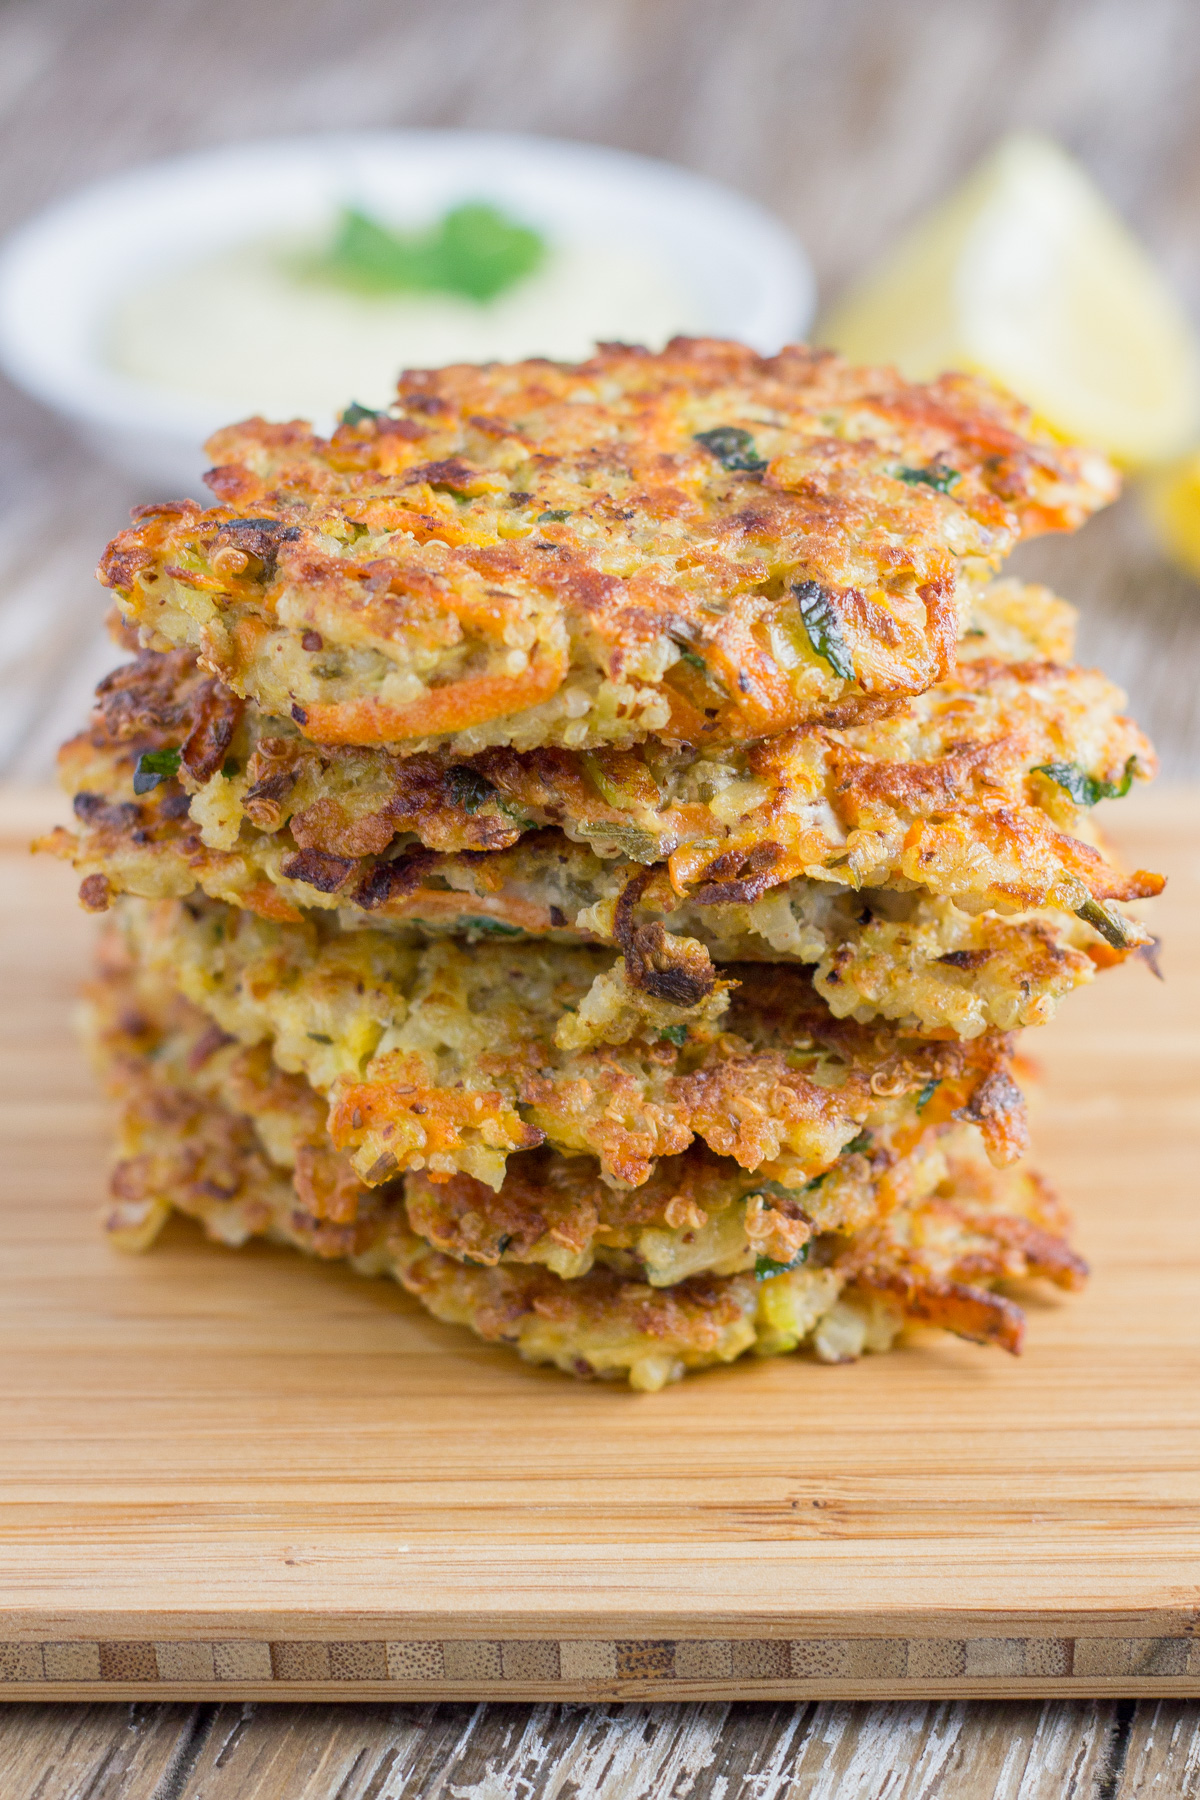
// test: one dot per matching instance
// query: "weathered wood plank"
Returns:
(1161, 1753)
(97, 1752)
(1050, 1751)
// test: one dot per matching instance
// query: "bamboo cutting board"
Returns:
(245, 1475)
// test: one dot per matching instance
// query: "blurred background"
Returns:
(846, 118)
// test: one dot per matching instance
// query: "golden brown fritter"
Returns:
(697, 1213)
(186, 1145)
(245, 767)
(703, 545)
(448, 1057)
(864, 797)
(898, 953)
(966, 798)
(851, 1296)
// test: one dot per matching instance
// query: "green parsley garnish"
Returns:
(493, 927)
(355, 414)
(935, 476)
(231, 767)
(554, 515)
(733, 448)
(858, 1144)
(154, 766)
(318, 1037)
(474, 250)
(824, 627)
(1083, 788)
(693, 661)
(766, 1266)
(927, 1092)
(674, 1034)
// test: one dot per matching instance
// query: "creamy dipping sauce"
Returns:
(242, 329)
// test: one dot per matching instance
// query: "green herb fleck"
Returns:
(674, 1034)
(318, 1037)
(773, 1190)
(154, 766)
(858, 1145)
(824, 627)
(927, 1092)
(694, 660)
(935, 476)
(601, 780)
(641, 845)
(231, 767)
(474, 250)
(1083, 788)
(492, 927)
(503, 1243)
(766, 1266)
(1110, 925)
(554, 515)
(468, 788)
(355, 414)
(733, 448)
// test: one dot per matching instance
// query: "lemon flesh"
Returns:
(1173, 502)
(1027, 275)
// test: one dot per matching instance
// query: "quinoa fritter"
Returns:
(449, 1058)
(186, 1145)
(962, 802)
(894, 953)
(697, 1213)
(703, 545)
(949, 791)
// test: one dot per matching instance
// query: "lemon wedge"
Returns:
(1026, 274)
(1173, 501)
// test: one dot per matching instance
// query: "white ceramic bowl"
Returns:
(64, 272)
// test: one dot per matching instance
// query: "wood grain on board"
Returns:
(236, 1474)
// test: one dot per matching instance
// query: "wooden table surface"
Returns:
(845, 116)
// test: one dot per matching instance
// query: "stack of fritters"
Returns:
(581, 840)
